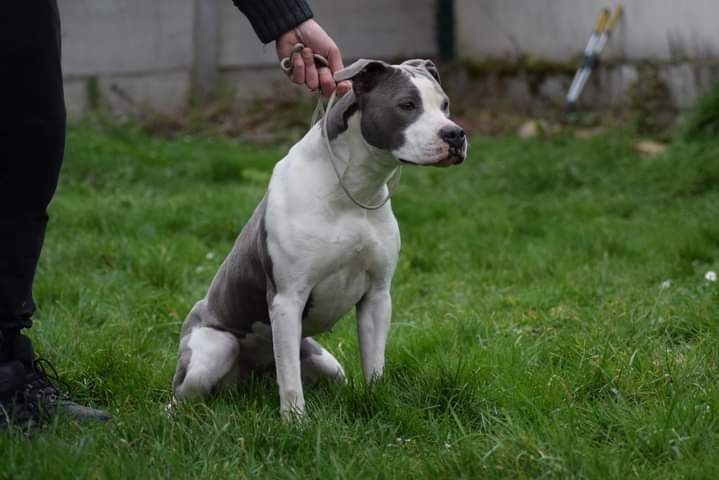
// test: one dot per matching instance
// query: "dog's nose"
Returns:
(453, 135)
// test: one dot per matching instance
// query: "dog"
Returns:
(308, 254)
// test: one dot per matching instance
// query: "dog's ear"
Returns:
(426, 64)
(364, 74)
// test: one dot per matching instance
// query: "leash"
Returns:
(320, 111)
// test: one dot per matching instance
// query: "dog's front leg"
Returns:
(374, 313)
(286, 319)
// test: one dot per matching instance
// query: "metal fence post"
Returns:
(206, 46)
(445, 29)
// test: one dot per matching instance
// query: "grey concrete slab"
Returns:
(135, 94)
(76, 98)
(251, 83)
(125, 36)
(165, 92)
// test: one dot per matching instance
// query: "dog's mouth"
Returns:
(454, 157)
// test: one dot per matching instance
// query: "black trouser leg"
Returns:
(32, 139)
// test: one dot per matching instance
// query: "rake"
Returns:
(597, 41)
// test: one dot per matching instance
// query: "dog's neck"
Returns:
(364, 169)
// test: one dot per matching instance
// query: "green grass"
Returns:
(531, 336)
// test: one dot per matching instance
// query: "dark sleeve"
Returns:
(272, 18)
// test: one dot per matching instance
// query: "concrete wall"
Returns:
(370, 28)
(141, 53)
(558, 29)
(680, 37)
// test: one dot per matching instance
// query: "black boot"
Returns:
(13, 380)
(28, 392)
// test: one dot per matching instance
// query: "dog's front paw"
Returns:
(293, 414)
(292, 406)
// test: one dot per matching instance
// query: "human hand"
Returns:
(304, 70)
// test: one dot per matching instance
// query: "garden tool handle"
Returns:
(602, 20)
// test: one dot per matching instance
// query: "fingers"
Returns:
(314, 77)
(334, 58)
(298, 69)
(305, 70)
(327, 83)
(311, 74)
(343, 87)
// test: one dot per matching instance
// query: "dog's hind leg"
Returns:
(207, 361)
(316, 362)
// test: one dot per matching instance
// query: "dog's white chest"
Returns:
(344, 258)
(336, 295)
(322, 245)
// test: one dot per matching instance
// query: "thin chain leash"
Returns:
(321, 112)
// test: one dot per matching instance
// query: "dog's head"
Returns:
(404, 110)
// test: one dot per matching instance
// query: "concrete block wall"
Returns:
(659, 30)
(140, 54)
(143, 49)
(680, 38)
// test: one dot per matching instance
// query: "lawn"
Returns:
(551, 318)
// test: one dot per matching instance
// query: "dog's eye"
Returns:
(407, 105)
(445, 106)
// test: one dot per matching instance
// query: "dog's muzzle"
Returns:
(456, 140)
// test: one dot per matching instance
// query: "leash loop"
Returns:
(286, 63)
(321, 112)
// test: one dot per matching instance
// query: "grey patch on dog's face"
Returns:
(434, 139)
(389, 107)
(419, 69)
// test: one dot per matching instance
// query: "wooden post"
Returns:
(206, 50)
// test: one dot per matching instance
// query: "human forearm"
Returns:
(272, 18)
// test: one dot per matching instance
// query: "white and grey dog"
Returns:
(308, 254)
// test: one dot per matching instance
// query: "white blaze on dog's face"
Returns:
(404, 110)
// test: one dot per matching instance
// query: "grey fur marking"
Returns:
(379, 89)
(185, 354)
(238, 295)
(309, 347)
(383, 122)
(183, 361)
(340, 114)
